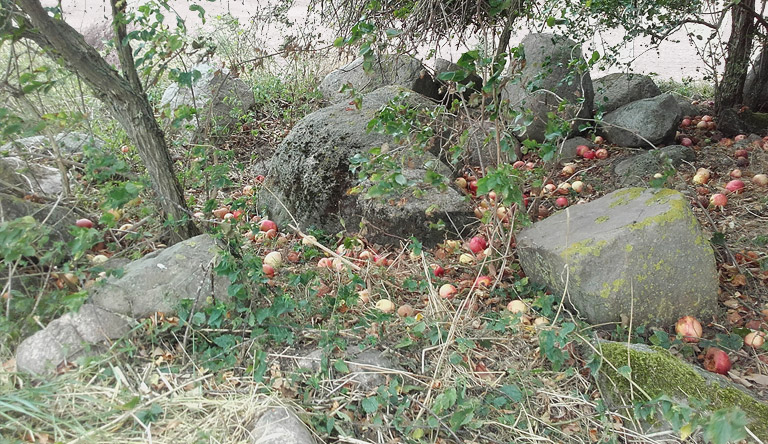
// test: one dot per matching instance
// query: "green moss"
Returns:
(623, 197)
(658, 373)
(584, 248)
(601, 219)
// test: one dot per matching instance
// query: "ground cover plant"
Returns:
(473, 350)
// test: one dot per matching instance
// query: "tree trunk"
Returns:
(127, 104)
(756, 86)
(730, 91)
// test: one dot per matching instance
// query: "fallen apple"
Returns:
(599, 140)
(718, 200)
(483, 281)
(580, 149)
(517, 306)
(267, 225)
(601, 153)
(268, 270)
(437, 270)
(578, 186)
(477, 244)
(754, 339)
(561, 202)
(466, 259)
(717, 361)
(385, 306)
(686, 141)
(447, 291)
(735, 186)
(589, 154)
(689, 328)
(84, 223)
(405, 311)
(760, 179)
(220, 212)
(274, 259)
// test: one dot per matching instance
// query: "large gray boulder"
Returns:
(20, 177)
(279, 425)
(639, 169)
(388, 69)
(546, 79)
(69, 144)
(159, 281)
(310, 179)
(220, 97)
(636, 253)
(643, 123)
(69, 337)
(731, 122)
(616, 90)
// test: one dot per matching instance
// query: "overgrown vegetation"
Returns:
(464, 369)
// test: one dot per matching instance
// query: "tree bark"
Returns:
(730, 91)
(126, 103)
(756, 86)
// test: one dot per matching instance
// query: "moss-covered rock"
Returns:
(635, 253)
(657, 372)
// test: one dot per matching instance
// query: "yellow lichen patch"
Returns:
(658, 373)
(584, 248)
(601, 219)
(661, 197)
(628, 248)
(677, 210)
(624, 197)
(613, 288)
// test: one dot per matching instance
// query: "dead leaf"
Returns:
(758, 379)
(739, 280)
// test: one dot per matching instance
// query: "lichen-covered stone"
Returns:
(635, 253)
(549, 68)
(279, 425)
(643, 123)
(310, 181)
(20, 177)
(657, 372)
(69, 144)
(389, 69)
(618, 89)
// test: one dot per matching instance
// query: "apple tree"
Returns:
(122, 92)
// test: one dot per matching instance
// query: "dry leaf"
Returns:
(739, 280)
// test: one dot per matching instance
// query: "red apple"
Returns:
(268, 270)
(718, 200)
(717, 361)
(601, 153)
(588, 154)
(580, 150)
(477, 244)
(447, 291)
(437, 270)
(599, 140)
(735, 186)
(267, 225)
(686, 141)
(84, 223)
(561, 202)
(483, 281)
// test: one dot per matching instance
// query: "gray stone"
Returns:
(279, 425)
(20, 177)
(220, 97)
(69, 144)
(636, 253)
(546, 71)
(638, 169)
(643, 122)
(567, 150)
(731, 122)
(473, 82)
(367, 369)
(689, 109)
(58, 218)
(310, 179)
(69, 337)
(401, 70)
(616, 90)
(159, 281)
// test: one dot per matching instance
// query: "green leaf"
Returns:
(726, 425)
(370, 405)
(513, 391)
(200, 11)
(625, 371)
(461, 417)
(341, 366)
